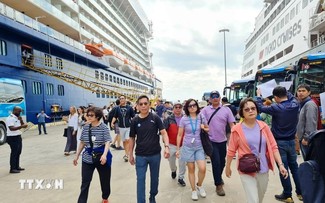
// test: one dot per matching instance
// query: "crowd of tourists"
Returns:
(271, 144)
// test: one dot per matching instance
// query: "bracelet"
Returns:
(166, 146)
(281, 164)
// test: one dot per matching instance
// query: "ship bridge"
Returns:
(80, 76)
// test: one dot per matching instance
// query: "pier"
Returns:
(50, 177)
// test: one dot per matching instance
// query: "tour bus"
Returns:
(238, 90)
(11, 95)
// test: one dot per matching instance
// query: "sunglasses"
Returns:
(143, 104)
(250, 109)
(215, 96)
(177, 107)
(192, 105)
(90, 115)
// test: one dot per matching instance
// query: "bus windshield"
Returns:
(11, 95)
(237, 92)
(313, 74)
(240, 89)
(279, 74)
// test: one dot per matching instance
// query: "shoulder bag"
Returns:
(98, 152)
(250, 163)
(205, 140)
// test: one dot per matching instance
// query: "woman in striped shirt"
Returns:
(95, 139)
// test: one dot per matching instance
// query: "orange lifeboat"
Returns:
(95, 49)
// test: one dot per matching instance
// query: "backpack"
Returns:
(311, 182)
(312, 171)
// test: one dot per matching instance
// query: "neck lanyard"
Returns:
(193, 127)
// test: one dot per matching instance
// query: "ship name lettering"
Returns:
(292, 31)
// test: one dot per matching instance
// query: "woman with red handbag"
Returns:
(257, 152)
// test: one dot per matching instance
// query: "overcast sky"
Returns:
(188, 54)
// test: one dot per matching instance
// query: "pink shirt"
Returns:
(238, 142)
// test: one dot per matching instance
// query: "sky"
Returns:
(188, 49)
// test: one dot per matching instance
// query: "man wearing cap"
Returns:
(171, 124)
(218, 117)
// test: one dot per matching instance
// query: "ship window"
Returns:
(103, 95)
(3, 48)
(48, 60)
(297, 9)
(97, 94)
(123, 82)
(96, 74)
(49, 89)
(118, 80)
(37, 88)
(292, 13)
(59, 64)
(304, 3)
(24, 84)
(110, 78)
(106, 77)
(114, 79)
(101, 75)
(60, 90)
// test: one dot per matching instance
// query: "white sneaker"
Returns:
(194, 196)
(201, 191)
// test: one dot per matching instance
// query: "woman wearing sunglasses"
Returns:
(95, 139)
(245, 138)
(192, 151)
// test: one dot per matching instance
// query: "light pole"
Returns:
(224, 51)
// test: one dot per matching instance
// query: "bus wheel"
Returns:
(2, 134)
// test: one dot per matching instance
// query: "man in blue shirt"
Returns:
(41, 122)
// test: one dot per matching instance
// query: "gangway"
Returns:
(80, 76)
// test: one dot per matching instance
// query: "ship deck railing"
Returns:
(32, 23)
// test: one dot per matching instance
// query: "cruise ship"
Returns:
(285, 30)
(76, 52)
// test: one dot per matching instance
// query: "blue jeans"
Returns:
(141, 165)
(289, 158)
(218, 161)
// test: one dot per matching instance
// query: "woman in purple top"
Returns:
(192, 150)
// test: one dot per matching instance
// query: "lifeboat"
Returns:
(95, 49)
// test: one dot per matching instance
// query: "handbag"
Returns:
(97, 153)
(206, 142)
(65, 132)
(94, 155)
(250, 163)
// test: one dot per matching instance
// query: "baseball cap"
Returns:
(178, 103)
(215, 92)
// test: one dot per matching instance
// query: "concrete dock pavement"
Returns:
(56, 180)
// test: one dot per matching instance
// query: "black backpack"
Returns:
(312, 171)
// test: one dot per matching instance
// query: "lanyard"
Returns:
(193, 127)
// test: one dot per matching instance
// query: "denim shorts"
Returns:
(192, 154)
